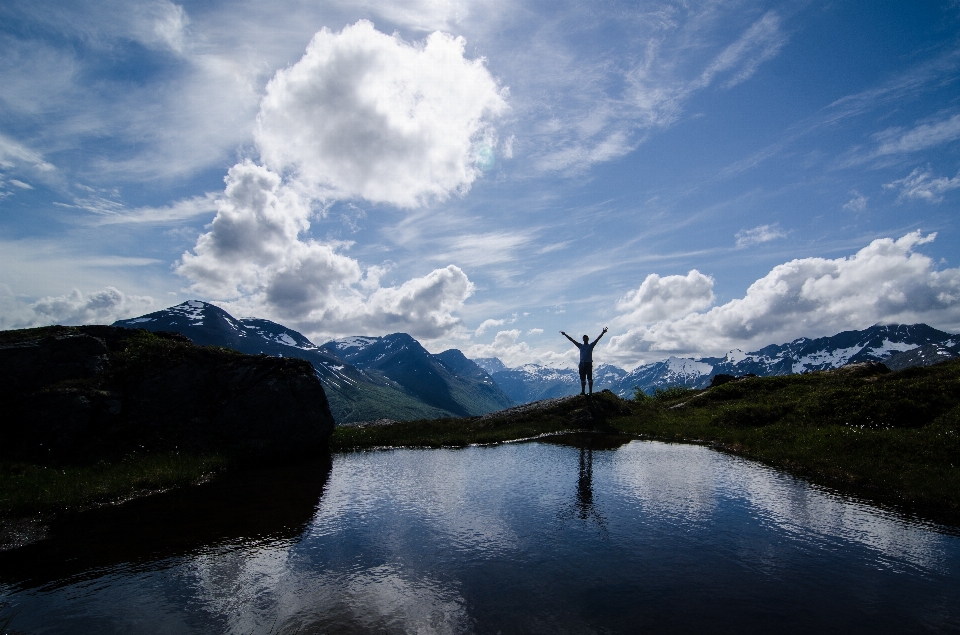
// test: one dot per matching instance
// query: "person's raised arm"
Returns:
(602, 333)
(569, 338)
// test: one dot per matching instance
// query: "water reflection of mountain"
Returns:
(249, 507)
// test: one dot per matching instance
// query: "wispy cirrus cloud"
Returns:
(920, 184)
(920, 137)
(758, 235)
(112, 212)
(856, 204)
(482, 249)
(602, 124)
(15, 154)
(896, 143)
(759, 43)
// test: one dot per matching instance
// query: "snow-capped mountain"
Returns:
(877, 343)
(532, 382)
(902, 345)
(354, 394)
(490, 364)
(447, 380)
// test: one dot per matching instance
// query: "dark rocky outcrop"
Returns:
(724, 378)
(861, 369)
(100, 392)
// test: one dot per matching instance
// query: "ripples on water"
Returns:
(518, 538)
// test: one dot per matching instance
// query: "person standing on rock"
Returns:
(586, 358)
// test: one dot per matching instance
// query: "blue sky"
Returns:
(698, 176)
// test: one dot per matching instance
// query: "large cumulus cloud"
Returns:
(361, 115)
(659, 298)
(364, 114)
(887, 281)
(256, 260)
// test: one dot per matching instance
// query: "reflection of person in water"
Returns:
(583, 506)
(585, 484)
(586, 358)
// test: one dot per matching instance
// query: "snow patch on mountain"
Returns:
(889, 347)
(191, 309)
(824, 359)
(689, 367)
(357, 342)
(736, 355)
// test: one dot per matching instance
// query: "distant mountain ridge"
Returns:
(900, 345)
(447, 380)
(354, 393)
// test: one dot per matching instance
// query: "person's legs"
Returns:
(590, 376)
(583, 378)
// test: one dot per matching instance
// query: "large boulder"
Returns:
(101, 392)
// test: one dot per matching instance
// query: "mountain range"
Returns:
(365, 378)
(394, 377)
(898, 346)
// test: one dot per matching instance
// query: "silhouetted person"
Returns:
(586, 358)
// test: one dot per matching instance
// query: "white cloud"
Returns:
(512, 352)
(505, 347)
(21, 184)
(757, 235)
(887, 281)
(535, 332)
(167, 22)
(364, 114)
(594, 122)
(255, 261)
(919, 184)
(103, 307)
(179, 210)
(15, 154)
(480, 249)
(761, 42)
(921, 137)
(665, 298)
(487, 324)
(856, 204)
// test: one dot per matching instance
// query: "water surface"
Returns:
(517, 538)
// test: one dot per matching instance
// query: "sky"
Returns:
(696, 176)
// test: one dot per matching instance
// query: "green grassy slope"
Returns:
(366, 402)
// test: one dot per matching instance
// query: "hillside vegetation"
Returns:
(894, 437)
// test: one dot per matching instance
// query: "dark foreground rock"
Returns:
(99, 392)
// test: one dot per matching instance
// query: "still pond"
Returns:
(588, 535)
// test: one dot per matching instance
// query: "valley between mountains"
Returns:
(395, 377)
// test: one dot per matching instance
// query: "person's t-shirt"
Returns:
(586, 352)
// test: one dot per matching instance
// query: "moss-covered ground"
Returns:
(31, 490)
(891, 437)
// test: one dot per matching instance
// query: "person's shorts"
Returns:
(586, 371)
